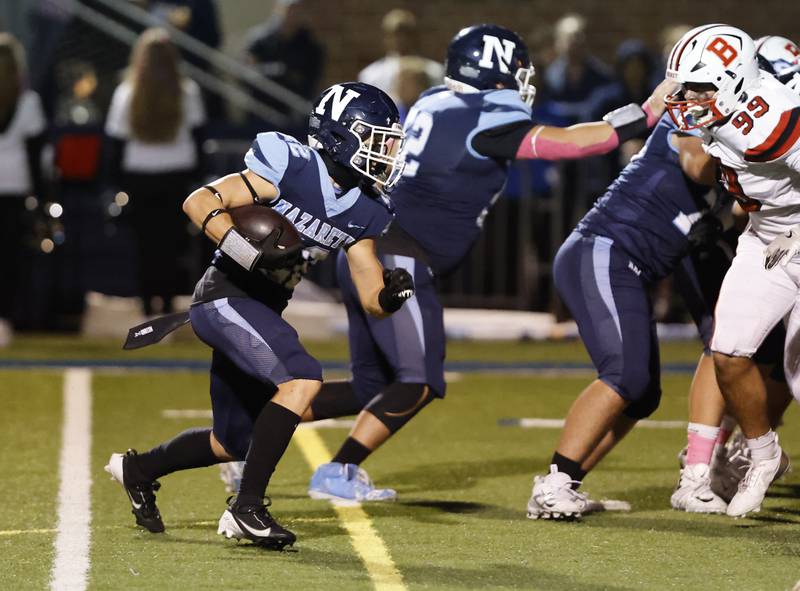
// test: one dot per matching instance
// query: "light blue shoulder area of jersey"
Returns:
(268, 156)
(673, 130)
(500, 107)
(333, 205)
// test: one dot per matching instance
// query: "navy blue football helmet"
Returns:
(484, 57)
(358, 126)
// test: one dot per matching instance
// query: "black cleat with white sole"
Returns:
(141, 494)
(254, 523)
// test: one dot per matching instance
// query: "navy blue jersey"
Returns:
(649, 209)
(447, 187)
(326, 218)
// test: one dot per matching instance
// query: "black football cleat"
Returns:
(254, 523)
(141, 494)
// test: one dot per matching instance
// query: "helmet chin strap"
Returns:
(345, 177)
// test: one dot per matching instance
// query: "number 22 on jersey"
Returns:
(418, 129)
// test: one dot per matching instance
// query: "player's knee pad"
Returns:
(399, 403)
(635, 383)
(644, 406)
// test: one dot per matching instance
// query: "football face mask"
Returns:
(524, 78)
(693, 113)
(378, 157)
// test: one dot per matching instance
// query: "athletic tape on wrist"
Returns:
(239, 249)
(629, 121)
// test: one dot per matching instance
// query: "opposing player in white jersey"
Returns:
(712, 466)
(751, 127)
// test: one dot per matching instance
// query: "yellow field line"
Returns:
(366, 541)
(19, 532)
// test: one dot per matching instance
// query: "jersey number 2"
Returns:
(418, 129)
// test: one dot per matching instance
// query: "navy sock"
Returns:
(570, 467)
(272, 432)
(190, 449)
(351, 452)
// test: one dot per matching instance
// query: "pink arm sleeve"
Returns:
(533, 146)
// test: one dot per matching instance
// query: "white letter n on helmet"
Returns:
(502, 48)
(339, 101)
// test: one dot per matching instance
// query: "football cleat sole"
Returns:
(555, 515)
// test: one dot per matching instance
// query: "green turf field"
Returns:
(463, 483)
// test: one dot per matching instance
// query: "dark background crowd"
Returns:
(111, 111)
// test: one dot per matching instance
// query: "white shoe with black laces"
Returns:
(693, 493)
(554, 498)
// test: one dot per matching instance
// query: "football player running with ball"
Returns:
(262, 379)
(750, 123)
(461, 137)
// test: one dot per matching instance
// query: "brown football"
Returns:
(256, 221)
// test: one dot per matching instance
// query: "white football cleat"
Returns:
(754, 485)
(693, 493)
(554, 498)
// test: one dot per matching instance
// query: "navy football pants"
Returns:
(406, 347)
(610, 303)
(255, 350)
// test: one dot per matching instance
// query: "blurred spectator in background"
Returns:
(669, 38)
(401, 39)
(577, 83)
(22, 126)
(198, 19)
(638, 72)
(285, 50)
(155, 124)
(79, 106)
(410, 81)
(575, 75)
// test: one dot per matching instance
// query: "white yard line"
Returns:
(71, 564)
(366, 541)
(535, 423)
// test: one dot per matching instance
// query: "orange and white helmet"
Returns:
(717, 55)
(784, 56)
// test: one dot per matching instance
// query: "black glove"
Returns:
(705, 232)
(272, 256)
(398, 287)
